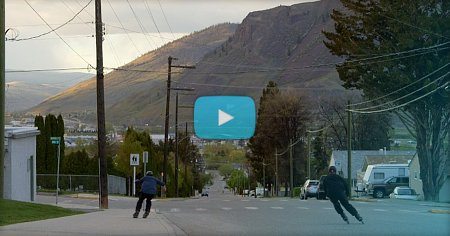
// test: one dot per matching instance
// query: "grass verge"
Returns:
(12, 212)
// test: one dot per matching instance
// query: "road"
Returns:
(227, 214)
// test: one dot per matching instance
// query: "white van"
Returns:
(379, 172)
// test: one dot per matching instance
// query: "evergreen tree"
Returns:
(41, 157)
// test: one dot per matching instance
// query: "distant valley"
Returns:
(24, 90)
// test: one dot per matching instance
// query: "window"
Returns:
(378, 175)
(401, 172)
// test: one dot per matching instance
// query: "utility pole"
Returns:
(264, 179)
(309, 154)
(176, 146)
(166, 125)
(349, 149)
(276, 172)
(101, 129)
(2, 95)
(291, 172)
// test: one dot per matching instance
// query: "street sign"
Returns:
(145, 157)
(55, 140)
(134, 159)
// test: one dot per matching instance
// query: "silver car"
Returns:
(405, 193)
(309, 189)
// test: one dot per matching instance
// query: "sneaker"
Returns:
(146, 214)
(136, 214)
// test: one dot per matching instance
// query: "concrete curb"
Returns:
(439, 211)
(362, 200)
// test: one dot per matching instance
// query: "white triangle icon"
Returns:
(224, 117)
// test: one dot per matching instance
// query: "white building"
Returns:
(20, 163)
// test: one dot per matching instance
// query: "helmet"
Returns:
(332, 169)
(149, 173)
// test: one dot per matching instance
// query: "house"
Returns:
(358, 160)
(381, 159)
(416, 183)
(19, 181)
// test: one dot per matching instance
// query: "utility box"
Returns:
(20, 163)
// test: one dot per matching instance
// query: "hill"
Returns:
(283, 44)
(25, 90)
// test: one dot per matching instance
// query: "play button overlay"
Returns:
(224, 117)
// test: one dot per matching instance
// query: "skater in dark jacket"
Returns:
(337, 191)
(148, 191)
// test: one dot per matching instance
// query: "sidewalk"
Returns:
(103, 222)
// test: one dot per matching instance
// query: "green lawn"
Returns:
(12, 212)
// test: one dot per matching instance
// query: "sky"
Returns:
(132, 28)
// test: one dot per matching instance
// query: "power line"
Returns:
(415, 27)
(244, 87)
(136, 70)
(120, 22)
(111, 46)
(89, 64)
(49, 70)
(404, 104)
(402, 88)
(139, 22)
(165, 18)
(398, 53)
(149, 11)
(52, 29)
(402, 97)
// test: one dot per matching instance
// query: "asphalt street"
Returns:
(223, 213)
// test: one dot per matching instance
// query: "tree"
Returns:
(321, 155)
(369, 132)
(396, 52)
(226, 170)
(41, 157)
(281, 118)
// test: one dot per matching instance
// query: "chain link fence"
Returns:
(80, 183)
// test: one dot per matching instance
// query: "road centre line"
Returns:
(379, 210)
(251, 208)
(303, 208)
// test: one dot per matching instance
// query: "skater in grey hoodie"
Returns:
(148, 191)
(337, 191)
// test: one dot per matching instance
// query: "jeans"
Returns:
(148, 204)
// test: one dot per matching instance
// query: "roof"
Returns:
(386, 159)
(339, 159)
(20, 132)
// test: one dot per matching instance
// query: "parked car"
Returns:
(205, 194)
(309, 189)
(380, 190)
(320, 189)
(406, 193)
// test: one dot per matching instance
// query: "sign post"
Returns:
(134, 161)
(145, 161)
(57, 141)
